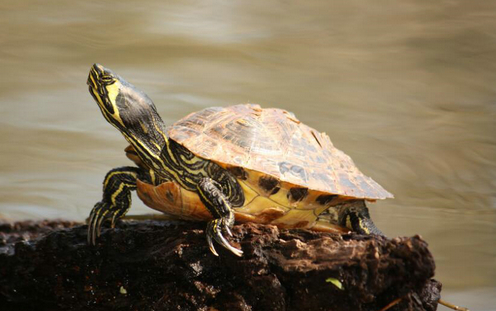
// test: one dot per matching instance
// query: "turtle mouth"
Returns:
(94, 81)
(94, 76)
(99, 78)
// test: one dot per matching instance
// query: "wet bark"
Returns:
(152, 265)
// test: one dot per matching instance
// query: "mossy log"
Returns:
(166, 265)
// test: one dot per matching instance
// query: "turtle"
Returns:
(224, 164)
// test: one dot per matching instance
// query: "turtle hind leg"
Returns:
(217, 203)
(116, 201)
(355, 216)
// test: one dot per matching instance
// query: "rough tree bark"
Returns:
(156, 265)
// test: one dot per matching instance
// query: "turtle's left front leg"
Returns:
(217, 203)
(116, 201)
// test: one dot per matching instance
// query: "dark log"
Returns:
(166, 265)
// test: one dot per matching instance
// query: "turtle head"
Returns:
(122, 104)
(127, 108)
(354, 215)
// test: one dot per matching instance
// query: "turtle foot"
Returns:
(214, 231)
(99, 213)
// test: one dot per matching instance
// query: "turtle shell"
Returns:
(274, 142)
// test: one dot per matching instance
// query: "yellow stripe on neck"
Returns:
(112, 93)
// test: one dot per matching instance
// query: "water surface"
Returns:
(406, 88)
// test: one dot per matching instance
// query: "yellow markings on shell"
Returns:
(327, 226)
(319, 210)
(297, 218)
(250, 194)
(276, 208)
(255, 204)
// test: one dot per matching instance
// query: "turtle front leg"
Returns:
(117, 187)
(217, 203)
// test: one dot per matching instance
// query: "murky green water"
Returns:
(407, 88)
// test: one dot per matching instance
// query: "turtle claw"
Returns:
(98, 226)
(98, 215)
(94, 221)
(211, 244)
(214, 230)
(112, 222)
(90, 221)
(228, 230)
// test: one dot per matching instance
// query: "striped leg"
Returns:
(116, 200)
(216, 202)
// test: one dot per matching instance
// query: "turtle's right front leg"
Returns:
(116, 201)
(217, 203)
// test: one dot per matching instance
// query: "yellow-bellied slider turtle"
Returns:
(220, 164)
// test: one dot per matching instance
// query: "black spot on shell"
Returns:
(325, 199)
(169, 196)
(238, 172)
(147, 196)
(297, 194)
(269, 184)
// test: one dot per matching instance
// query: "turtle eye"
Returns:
(107, 79)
